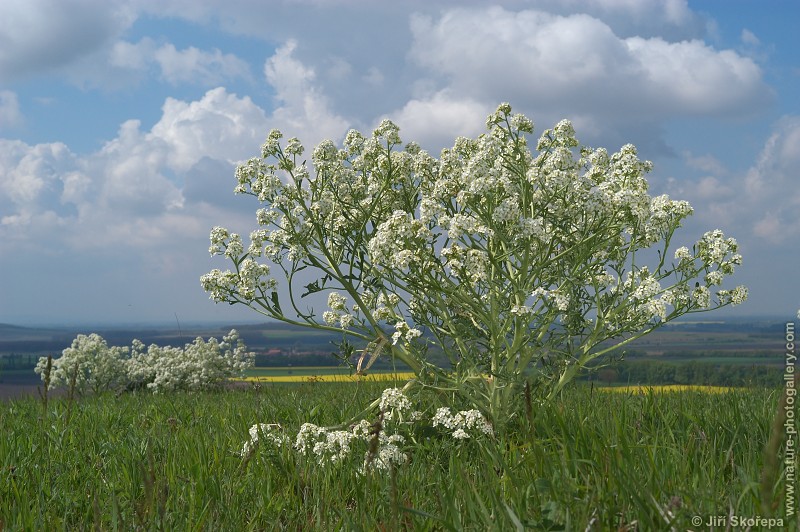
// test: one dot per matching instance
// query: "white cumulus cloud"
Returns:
(38, 35)
(302, 109)
(759, 204)
(192, 65)
(573, 65)
(31, 177)
(220, 125)
(435, 121)
(772, 186)
(143, 185)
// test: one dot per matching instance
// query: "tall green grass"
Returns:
(590, 460)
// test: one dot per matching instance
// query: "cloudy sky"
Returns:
(121, 123)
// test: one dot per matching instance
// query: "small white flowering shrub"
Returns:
(515, 264)
(199, 365)
(95, 366)
(381, 444)
(89, 364)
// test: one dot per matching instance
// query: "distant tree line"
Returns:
(683, 354)
(18, 361)
(694, 372)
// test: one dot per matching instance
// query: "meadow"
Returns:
(590, 460)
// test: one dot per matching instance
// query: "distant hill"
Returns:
(5, 328)
(52, 340)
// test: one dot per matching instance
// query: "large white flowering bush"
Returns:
(90, 364)
(196, 366)
(517, 265)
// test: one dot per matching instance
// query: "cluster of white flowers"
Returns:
(405, 332)
(388, 455)
(646, 295)
(557, 298)
(196, 366)
(463, 424)
(249, 282)
(270, 432)
(396, 406)
(88, 364)
(338, 313)
(389, 451)
(327, 445)
(264, 183)
(384, 306)
(91, 363)
(523, 311)
(461, 224)
(397, 241)
(664, 214)
(334, 446)
(715, 248)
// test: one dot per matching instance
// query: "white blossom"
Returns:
(405, 332)
(88, 364)
(196, 366)
(462, 422)
(271, 432)
(702, 296)
(336, 301)
(91, 364)
(393, 403)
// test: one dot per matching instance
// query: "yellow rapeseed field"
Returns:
(405, 376)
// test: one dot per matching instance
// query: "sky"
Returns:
(121, 123)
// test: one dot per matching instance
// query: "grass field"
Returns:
(667, 388)
(588, 461)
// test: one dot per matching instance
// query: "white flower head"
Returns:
(346, 320)
(460, 434)
(270, 432)
(702, 296)
(404, 331)
(739, 295)
(330, 317)
(714, 278)
(462, 422)
(522, 311)
(561, 300)
(393, 403)
(336, 301)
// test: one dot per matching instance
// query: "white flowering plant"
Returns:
(520, 267)
(198, 365)
(382, 444)
(90, 364)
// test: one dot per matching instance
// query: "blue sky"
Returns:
(121, 123)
